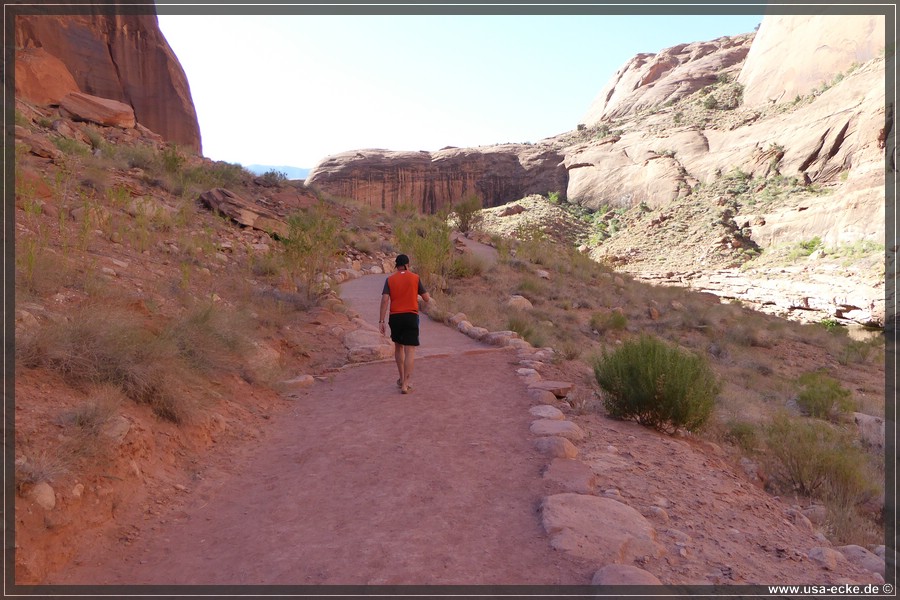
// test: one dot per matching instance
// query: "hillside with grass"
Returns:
(153, 331)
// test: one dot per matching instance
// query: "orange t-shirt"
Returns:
(404, 288)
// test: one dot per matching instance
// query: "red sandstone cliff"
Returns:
(116, 56)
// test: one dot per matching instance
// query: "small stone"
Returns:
(560, 389)
(43, 495)
(545, 411)
(542, 396)
(78, 490)
(826, 557)
(517, 302)
(542, 274)
(556, 447)
(659, 514)
(816, 514)
(552, 427)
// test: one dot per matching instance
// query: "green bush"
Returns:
(311, 246)
(602, 322)
(657, 384)
(822, 396)
(742, 434)
(426, 239)
(468, 213)
(817, 459)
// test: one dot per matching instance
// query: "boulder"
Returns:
(42, 78)
(827, 558)
(871, 429)
(545, 411)
(571, 475)
(517, 302)
(556, 447)
(861, 557)
(552, 427)
(103, 111)
(43, 495)
(226, 202)
(560, 389)
(600, 529)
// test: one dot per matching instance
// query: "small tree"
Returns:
(426, 239)
(658, 385)
(311, 245)
(468, 213)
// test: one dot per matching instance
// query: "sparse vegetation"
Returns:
(657, 384)
(823, 396)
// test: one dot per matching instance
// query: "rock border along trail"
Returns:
(360, 484)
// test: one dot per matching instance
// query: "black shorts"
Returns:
(404, 329)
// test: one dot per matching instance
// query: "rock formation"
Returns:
(432, 181)
(820, 48)
(122, 57)
(649, 80)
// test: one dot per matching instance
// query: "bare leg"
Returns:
(399, 358)
(408, 364)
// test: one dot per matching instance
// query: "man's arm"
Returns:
(382, 312)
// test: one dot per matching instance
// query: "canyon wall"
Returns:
(122, 57)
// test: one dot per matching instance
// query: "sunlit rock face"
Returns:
(117, 56)
(429, 181)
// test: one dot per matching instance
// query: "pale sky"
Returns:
(291, 90)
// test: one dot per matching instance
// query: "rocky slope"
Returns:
(673, 132)
(121, 57)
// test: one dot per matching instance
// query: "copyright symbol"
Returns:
(888, 588)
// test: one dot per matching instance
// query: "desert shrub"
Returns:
(272, 177)
(467, 213)
(88, 418)
(822, 396)
(208, 337)
(859, 351)
(531, 287)
(657, 384)
(104, 345)
(466, 265)
(602, 322)
(311, 246)
(818, 460)
(710, 102)
(71, 147)
(742, 434)
(426, 239)
(171, 158)
(527, 329)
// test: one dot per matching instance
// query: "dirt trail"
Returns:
(359, 484)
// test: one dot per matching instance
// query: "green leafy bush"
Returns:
(312, 244)
(468, 213)
(822, 396)
(657, 384)
(602, 322)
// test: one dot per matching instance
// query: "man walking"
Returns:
(400, 293)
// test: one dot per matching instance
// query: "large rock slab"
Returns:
(599, 529)
(226, 202)
(103, 111)
(861, 557)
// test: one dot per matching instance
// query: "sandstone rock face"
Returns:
(649, 80)
(41, 78)
(816, 47)
(121, 57)
(431, 181)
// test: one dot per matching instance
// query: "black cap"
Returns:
(402, 259)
